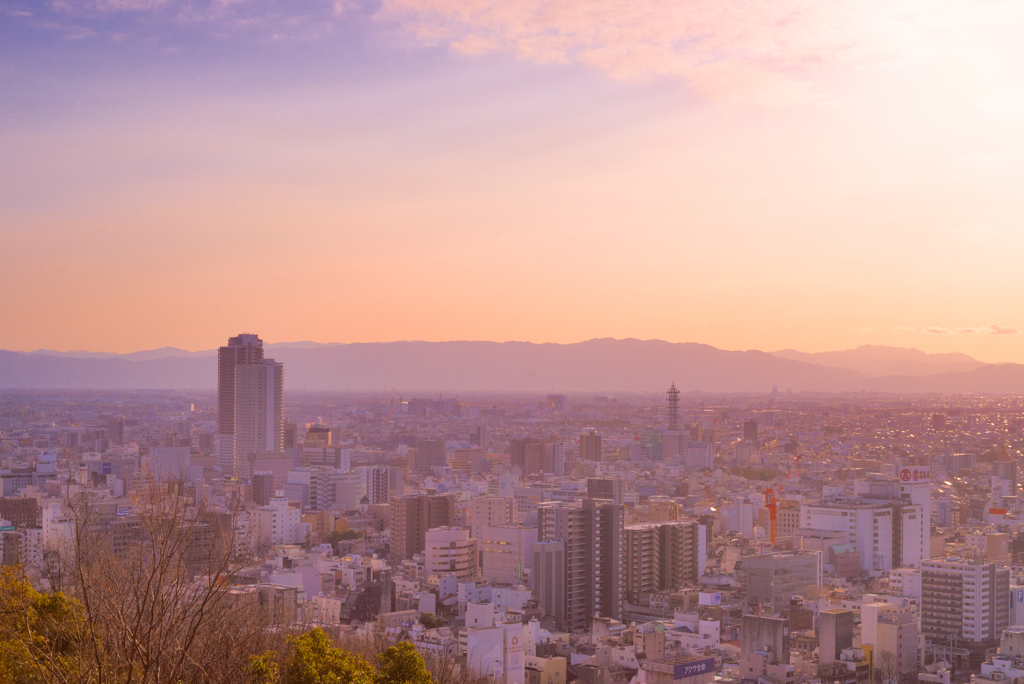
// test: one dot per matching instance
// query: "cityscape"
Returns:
(779, 537)
(511, 342)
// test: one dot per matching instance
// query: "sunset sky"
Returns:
(815, 174)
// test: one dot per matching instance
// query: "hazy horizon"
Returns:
(298, 343)
(790, 175)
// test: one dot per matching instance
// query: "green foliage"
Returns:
(402, 664)
(39, 633)
(263, 669)
(315, 660)
(430, 621)
(336, 535)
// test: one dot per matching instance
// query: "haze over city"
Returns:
(814, 176)
(511, 342)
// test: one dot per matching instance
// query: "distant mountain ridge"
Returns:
(879, 361)
(594, 365)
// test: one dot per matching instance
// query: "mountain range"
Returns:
(594, 365)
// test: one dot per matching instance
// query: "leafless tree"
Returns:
(157, 590)
(888, 668)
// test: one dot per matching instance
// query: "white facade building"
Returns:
(886, 534)
(279, 523)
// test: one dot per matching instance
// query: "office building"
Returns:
(326, 456)
(896, 644)
(20, 512)
(412, 516)
(885, 525)
(279, 463)
(835, 634)
(170, 463)
(592, 530)
(549, 580)
(451, 551)
(700, 455)
(490, 511)
(279, 522)
(773, 579)
(764, 648)
(262, 488)
(430, 453)
(662, 557)
(506, 552)
(558, 402)
(605, 488)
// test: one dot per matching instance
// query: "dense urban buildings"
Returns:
(783, 538)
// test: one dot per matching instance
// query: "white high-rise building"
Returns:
(964, 602)
(376, 484)
(888, 530)
(915, 484)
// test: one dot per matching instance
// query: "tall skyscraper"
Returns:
(241, 350)
(259, 411)
(592, 531)
(250, 403)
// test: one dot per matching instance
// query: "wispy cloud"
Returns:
(983, 330)
(768, 53)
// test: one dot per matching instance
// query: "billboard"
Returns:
(710, 598)
(693, 668)
(121, 512)
(916, 474)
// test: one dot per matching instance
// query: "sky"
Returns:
(815, 175)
